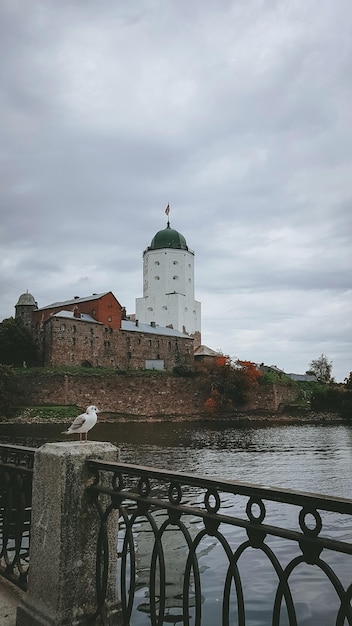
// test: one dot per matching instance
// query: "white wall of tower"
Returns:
(168, 290)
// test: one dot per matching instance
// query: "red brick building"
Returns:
(102, 307)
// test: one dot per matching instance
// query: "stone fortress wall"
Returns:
(142, 395)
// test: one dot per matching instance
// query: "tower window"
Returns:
(109, 318)
(175, 278)
(157, 277)
(150, 308)
(156, 262)
(175, 262)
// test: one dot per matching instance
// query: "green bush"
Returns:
(8, 391)
(332, 399)
(346, 405)
(183, 370)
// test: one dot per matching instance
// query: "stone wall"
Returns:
(73, 341)
(142, 395)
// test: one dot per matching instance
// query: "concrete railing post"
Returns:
(64, 530)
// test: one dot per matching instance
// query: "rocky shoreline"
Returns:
(240, 418)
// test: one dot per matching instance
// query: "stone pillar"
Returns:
(64, 530)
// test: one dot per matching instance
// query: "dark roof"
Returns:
(94, 296)
(83, 317)
(153, 330)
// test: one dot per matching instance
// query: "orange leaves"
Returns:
(250, 370)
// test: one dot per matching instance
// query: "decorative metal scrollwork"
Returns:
(159, 532)
(16, 476)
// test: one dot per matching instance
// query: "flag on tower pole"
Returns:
(167, 210)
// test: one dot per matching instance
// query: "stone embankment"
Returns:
(142, 395)
(36, 415)
(150, 398)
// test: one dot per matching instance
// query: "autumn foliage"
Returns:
(250, 370)
(228, 383)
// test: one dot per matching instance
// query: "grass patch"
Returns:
(101, 372)
(48, 412)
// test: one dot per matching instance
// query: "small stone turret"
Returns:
(24, 308)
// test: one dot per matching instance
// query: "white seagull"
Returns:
(83, 423)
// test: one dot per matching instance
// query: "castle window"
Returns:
(157, 277)
(109, 318)
(91, 343)
(73, 341)
(62, 327)
(169, 345)
(157, 263)
(150, 343)
(91, 331)
(150, 308)
(175, 262)
(175, 277)
(139, 340)
(165, 308)
(107, 344)
(73, 329)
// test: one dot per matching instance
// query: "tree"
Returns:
(230, 383)
(321, 368)
(16, 343)
(8, 391)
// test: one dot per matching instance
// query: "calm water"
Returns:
(308, 458)
(303, 457)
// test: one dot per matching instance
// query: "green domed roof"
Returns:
(168, 238)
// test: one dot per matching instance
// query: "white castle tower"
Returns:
(168, 285)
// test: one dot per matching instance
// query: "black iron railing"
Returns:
(16, 475)
(197, 550)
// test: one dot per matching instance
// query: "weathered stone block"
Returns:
(61, 584)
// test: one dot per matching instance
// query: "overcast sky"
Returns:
(236, 112)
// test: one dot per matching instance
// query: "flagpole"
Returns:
(167, 211)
